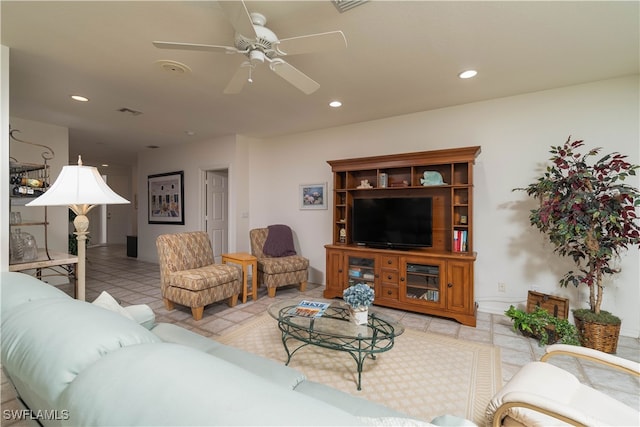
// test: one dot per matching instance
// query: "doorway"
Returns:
(109, 224)
(216, 210)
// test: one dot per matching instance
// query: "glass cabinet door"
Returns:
(422, 282)
(361, 270)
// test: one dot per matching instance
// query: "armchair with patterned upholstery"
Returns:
(277, 269)
(189, 275)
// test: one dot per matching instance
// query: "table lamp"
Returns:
(81, 188)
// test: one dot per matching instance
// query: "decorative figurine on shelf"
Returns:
(365, 184)
(431, 178)
(343, 235)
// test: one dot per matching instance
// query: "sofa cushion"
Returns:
(283, 264)
(355, 405)
(18, 288)
(142, 314)
(557, 389)
(260, 366)
(198, 279)
(170, 384)
(106, 301)
(47, 343)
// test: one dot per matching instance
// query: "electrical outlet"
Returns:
(502, 287)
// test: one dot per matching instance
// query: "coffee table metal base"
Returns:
(376, 336)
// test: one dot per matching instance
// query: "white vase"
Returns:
(359, 315)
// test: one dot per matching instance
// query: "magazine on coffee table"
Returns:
(310, 308)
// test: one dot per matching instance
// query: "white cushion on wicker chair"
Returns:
(553, 389)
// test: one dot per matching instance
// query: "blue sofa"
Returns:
(76, 363)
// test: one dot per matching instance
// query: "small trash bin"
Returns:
(132, 246)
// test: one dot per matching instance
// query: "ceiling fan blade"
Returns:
(238, 80)
(238, 15)
(332, 40)
(294, 76)
(193, 46)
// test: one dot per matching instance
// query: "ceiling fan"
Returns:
(260, 44)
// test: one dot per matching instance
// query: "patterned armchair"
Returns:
(273, 271)
(188, 275)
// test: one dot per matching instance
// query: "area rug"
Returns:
(424, 375)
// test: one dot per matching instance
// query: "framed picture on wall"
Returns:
(166, 198)
(313, 196)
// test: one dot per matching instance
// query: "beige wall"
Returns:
(515, 134)
(57, 138)
(223, 153)
(4, 158)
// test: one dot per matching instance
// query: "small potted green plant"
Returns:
(590, 215)
(540, 324)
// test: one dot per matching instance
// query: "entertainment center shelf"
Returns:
(433, 280)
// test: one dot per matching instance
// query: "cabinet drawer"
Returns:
(389, 276)
(389, 292)
(390, 262)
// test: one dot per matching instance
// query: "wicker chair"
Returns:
(542, 394)
(275, 272)
(189, 275)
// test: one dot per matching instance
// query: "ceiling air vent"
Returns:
(344, 5)
(130, 111)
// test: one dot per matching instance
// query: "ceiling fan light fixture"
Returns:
(467, 74)
(256, 56)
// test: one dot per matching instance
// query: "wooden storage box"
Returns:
(556, 306)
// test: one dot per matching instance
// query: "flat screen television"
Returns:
(393, 222)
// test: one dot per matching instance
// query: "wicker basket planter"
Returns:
(598, 336)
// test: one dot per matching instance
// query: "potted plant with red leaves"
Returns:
(589, 214)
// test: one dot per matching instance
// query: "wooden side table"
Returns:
(245, 260)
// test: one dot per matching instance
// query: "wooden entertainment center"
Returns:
(434, 280)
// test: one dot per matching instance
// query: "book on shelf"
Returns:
(460, 240)
(310, 308)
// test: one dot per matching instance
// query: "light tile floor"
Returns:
(137, 282)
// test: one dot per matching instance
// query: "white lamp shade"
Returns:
(78, 185)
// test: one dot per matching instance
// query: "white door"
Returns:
(216, 217)
(118, 216)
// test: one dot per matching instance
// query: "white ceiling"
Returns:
(402, 57)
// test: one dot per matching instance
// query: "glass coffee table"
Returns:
(333, 330)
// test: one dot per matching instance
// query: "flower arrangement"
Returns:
(359, 295)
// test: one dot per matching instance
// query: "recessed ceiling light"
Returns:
(79, 98)
(104, 165)
(335, 104)
(189, 132)
(468, 74)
